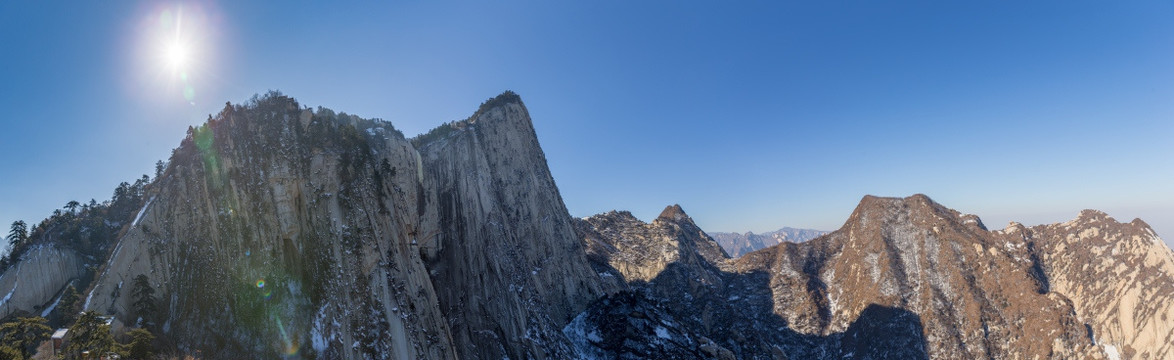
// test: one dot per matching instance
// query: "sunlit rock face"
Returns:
(281, 231)
(37, 278)
(973, 297)
(903, 278)
(1119, 277)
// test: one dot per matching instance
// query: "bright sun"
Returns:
(176, 56)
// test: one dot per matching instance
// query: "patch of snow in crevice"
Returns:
(663, 333)
(1111, 352)
(141, 212)
(49, 309)
(9, 296)
(109, 263)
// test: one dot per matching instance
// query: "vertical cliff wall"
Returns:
(37, 278)
(508, 268)
(279, 231)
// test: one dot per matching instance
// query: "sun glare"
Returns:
(176, 56)
(176, 45)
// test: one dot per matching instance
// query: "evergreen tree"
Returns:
(159, 167)
(9, 353)
(90, 333)
(25, 334)
(67, 306)
(72, 206)
(140, 345)
(144, 300)
(18, 234)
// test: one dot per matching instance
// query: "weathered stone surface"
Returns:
(1119, 277)
(508, 268)
(34, 281)
(366, 247)
(903, 278)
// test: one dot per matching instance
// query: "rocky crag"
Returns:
(280, 231)
(903, 278)
(737, 244)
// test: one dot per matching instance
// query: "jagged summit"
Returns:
(674, 213)
(497, 103)
(279, 230)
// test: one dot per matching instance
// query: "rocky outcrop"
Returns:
(685, 298)
(1119, 277)
(737, 244)
(277, 230)
(974, 298)
(499, 244)
(40, 274)
(903, 278)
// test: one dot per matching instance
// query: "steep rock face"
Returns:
(694, 302)
(974, 299)
(500, 246)
(37, 278)
(1119, 277)
(279, 231)
(641, 252)
(737, 244)
(903, 278)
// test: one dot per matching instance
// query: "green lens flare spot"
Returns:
(261, 284)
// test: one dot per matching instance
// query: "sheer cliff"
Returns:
(279, 230)
(282, 231)
(903, 278)
(1118, 276)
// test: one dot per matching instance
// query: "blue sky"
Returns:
(752, 116)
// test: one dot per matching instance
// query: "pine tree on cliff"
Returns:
(68, 305)
(144, 301)
(25, 334)
(90, 333)
(140, 345)
(18, 234)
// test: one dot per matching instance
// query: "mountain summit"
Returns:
(280, 231)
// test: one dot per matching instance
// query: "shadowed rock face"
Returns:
(1117, 275)
(916, 255)
(902, 273)
(278, 231)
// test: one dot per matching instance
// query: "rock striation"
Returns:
(37, 278)
(1117, 275)
(278, 230)
(903, 278)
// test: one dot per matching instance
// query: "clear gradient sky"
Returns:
(752, 116)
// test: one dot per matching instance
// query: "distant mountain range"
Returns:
(737, 244)
(276, 231)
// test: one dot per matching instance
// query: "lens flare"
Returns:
(177, 45)
(261, 284)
